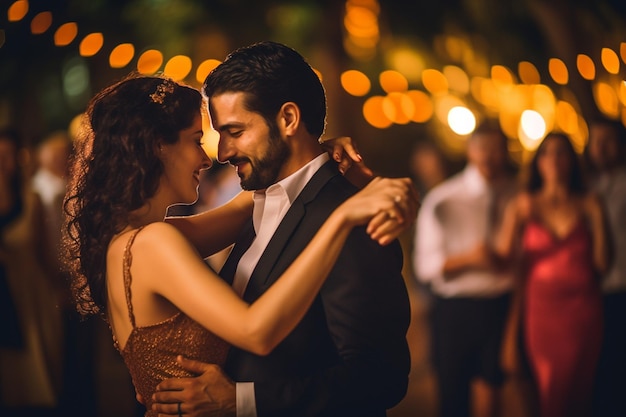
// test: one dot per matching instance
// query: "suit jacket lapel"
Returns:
(241, 246)
(262, 274)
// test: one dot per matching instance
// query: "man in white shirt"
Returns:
(455, 228)
(349, 355)
(606, 152)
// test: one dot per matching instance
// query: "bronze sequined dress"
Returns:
(150, 352)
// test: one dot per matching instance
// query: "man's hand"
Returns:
(211, 393)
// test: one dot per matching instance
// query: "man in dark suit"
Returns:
(349, 355)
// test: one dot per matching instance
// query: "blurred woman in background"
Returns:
(564, 254)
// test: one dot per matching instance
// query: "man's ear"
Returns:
(289, 118)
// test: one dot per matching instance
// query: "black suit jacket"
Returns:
(349, 355)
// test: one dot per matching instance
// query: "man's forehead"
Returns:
(228, 110)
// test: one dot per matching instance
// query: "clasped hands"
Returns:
(388, 224)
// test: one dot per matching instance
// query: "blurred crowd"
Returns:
(524, 274)
(521, 269)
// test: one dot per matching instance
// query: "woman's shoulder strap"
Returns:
(127, 262)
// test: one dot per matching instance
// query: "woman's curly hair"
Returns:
(115, 169)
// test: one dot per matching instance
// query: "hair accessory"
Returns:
(162, 89)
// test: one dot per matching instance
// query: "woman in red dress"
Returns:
(564, 252)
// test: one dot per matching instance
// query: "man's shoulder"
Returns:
(328, 187)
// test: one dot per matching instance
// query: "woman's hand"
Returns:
(388, 205)
(343, 150)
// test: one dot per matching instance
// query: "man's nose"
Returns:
(224, 151)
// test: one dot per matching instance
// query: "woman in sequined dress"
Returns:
(141, 152)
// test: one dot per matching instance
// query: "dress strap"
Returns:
(128, 260)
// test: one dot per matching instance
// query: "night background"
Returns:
(43, 86)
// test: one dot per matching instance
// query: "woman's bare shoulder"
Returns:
(156, 242)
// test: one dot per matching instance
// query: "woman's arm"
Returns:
(597, 221)
(516, 211)
(177, 273)
(215, 229)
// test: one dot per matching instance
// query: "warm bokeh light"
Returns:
(461, 120)
(581, 136)
(484, 91)
(422, 104)
(514, 98)
(434, 81)
(392, 81)
(65, 34)
(91, 44)
(374, 113)
(610, 60)
(606, 99)
(558, 71)
(543, 100)
(205, 68)
(443, 104)
(454, 97)
(76, 125)
(566, 117)
(362, 30)
(178, 67)
(532, 129)
(455, 47)
(621, 93)
(121, 55)
(211, 137)
(586, 67)
(17, 11)
(359, 52)
(475, 63)
(41, 23)
(501, 75)
(398, 108)
(150, 61)
(361, 22)
(355, 83)
(528, 73)
(407, 61)
(458, 80)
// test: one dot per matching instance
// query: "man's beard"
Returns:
(265, 170)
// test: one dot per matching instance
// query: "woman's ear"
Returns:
(289, 118)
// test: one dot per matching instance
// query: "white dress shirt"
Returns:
(454, 218)
(270, 206)
(612, 190)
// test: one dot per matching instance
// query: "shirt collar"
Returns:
(295, 183)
